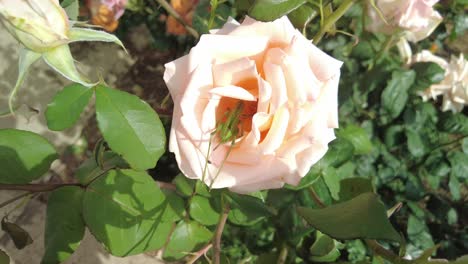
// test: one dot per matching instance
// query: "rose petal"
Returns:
(275, 77)
(275, 136)
(264, 96)
(278, 31)
(233, 92)
(233, 72)
(323, 65)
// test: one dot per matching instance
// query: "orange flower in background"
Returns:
(104, 17)
(185, 8)
(106, 13)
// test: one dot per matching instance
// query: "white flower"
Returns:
(454, 87)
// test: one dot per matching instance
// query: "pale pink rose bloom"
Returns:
(38, 24)
(289, 88)
(416, 18)
(118, 6)
(454, 87)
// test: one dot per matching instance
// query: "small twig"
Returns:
(7, 202)
(199, 253)
(283, 255)
(315, 197)
(385, 253)
(39, 187)
(218, 234)
(179, 19)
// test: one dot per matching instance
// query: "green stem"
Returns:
(219, 232)
(214, 6)
(39, 187)
(283, 255)
(385, 253)
(315, 197)
(7, 202)
(179, 19)
(331, 20)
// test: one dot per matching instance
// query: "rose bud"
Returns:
(43, 29)
(38, 24)
(416, 18)
(255, 106)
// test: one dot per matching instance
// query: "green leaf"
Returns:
(427, 73)
(187, 237)
(66, 106)
(130, 127)
(87, 34)
(20, 237)
(352, 187)
(4, 258)
(26, 59)
(322, 246)
(459, 164)
(395, 95)
(418, 233)
(340, 151)
(314, 173)
(416, 144)
(65, 3)
(184, 185)
(453, 123)
(65, 227)
(332, 181)
(358, 137)
(246, 210)
(269, 10)
(454, 186)
(61, 60)
(71, 8)
(301, 16)
(24, 156)
(202, 211)
(127, 212)
(324, 249)
(362, 217)
(90, 170)
(465, 145)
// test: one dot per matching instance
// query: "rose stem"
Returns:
(315, 197)
(219, 233)
(179, 19)
(385, 253)
(331, 20)
(199, 253)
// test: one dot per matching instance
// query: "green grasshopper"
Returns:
(227, 129)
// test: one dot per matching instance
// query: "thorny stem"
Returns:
(331, 20)
(39, 187)
(219, 233)
(179, 19)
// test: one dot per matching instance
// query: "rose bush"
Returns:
(288, 89)
(416, 18)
